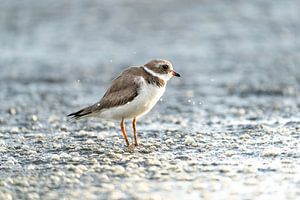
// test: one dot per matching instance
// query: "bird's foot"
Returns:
(131, 147)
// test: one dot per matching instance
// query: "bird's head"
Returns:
(162, 69)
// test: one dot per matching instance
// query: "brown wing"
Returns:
(122, 90)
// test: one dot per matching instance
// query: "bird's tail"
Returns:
(85, 112)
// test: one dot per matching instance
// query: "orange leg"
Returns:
(134, 131)
(124, 132)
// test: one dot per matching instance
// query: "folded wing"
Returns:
(123, 89)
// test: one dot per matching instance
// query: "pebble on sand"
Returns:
(118, 170)
(12, 111)
(55, 157)
(153, 161)
(190, 141)
(15, 130)
(89, 141)
(34, 118)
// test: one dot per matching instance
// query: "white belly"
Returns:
(148, 96)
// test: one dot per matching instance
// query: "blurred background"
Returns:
(239, 93)
(247, 47)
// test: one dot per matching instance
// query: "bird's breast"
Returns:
(149, 94)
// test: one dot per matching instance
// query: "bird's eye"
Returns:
(165, 66)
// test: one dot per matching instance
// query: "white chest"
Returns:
(149, 95)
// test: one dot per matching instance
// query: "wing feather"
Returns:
(122, 90)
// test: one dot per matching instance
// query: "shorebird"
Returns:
(132, 94)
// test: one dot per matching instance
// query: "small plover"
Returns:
(132, 94)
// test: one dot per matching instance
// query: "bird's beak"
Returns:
(175, 73)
